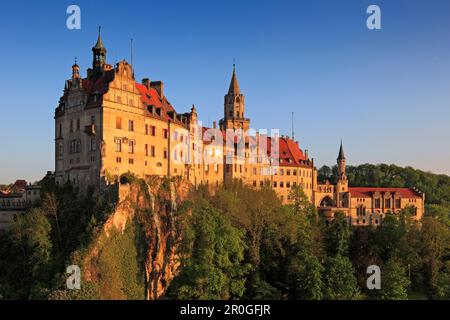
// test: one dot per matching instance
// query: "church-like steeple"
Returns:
(99, 55)
(341, 163)
(234, 106)
(234, 86)
(341, 155)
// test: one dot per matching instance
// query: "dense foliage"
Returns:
(241, 243)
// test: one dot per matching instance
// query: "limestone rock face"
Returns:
(152, 205)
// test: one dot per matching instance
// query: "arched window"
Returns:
(326, 202)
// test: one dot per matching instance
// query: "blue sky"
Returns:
(386, 93)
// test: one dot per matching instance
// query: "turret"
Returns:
(342, 183)
(234, 106)
(75, 71)
(341, 163)
(99, 56)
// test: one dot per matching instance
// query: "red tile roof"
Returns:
(289, 152)
(366, 192)
(20, 184)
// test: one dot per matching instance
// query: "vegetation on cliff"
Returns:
(155, 238)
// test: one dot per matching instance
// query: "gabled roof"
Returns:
(367, 192)
(151, 97)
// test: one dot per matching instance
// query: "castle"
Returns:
(107, 124)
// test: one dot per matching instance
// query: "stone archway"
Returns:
(326, 202)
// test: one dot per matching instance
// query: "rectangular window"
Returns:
(118, 143)
(59, 149)
(398, 203)
(165, 133)
(146, 150)
(131, 144)
(93, 144)
(131, 161)
(118, 159)
(152, 151)
(78, 124)
(377, 203)
(387, 203)
(216, 167)
(130, 125)
(146, 129)
(274, 184)
(78, 146)
(118, 123)
(165, 153)
(153, 130)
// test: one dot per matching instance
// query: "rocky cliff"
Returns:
(134, 255)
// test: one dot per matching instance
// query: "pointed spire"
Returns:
(99, 45)
(234, 86)
(341, 155)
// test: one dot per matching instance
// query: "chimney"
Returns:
(306, 154)
(146, 82)
(159, 87)
(214, 124)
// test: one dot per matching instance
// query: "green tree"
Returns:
(337, 236)
(435, 242)
(340, 280)
(306, 273)
(260, 213)
(394, 281)
(27, 257)
(211, 257)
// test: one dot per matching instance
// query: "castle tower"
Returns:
(234, 107)
(99, 56)
(341, 163)
(75, 71)
(342, 183)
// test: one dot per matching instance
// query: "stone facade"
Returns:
(107, 124)
(16, 201)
